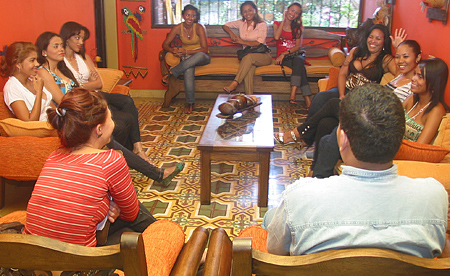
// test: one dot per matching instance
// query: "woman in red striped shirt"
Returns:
(81, 185)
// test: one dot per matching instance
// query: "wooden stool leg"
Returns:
(2, 192)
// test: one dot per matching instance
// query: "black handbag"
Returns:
(260, 49)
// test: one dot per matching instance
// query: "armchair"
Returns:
(160, 250)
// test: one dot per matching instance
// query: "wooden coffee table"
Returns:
(254, 146)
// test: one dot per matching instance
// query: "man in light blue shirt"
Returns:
(368, 205)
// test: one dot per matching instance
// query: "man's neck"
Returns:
(368, 166)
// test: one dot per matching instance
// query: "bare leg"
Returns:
(293, 97)
(307, 101)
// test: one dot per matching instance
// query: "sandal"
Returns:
(293, 101)
(189, 108)
(227, 90)
(178, 168)
(279, 139)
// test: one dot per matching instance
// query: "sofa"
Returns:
(323, 51)
(24, 146)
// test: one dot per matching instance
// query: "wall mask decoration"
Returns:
(132, 21)
(436, 9)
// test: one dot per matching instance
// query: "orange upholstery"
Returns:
(20, 216)
(259, 236)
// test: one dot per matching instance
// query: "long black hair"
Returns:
(42, 43)
(363, 50)
(435, 72)
(70, 29)
(296, 24)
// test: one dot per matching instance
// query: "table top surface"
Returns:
(250, 129)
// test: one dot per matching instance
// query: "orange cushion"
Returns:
(333, 74)
(259, 235)
(14, 127)
(171, 60)
(443, 137)
(20, 216)
(163, 242)
(421, 152)
(110, 77)
(337, 56)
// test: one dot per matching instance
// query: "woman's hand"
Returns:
(93, 75)
(279, 59)
(179, 52)
(234, 37)
(38, 84)
(114, 211)
(399, 37)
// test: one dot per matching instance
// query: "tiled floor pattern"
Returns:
(170, 135)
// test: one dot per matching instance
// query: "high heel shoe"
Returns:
(178, 168)
(165, 79)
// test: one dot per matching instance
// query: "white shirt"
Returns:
(15, 91)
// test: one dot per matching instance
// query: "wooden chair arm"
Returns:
(218, 259)
(242, 256)
(188, 260)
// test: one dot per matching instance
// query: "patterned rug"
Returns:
(169, 136)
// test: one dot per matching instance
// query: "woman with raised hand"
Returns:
(24, 92)
(252, 32)
(81, 184)
(365, 63)
(193, 52)
(288, 34)
(424, 110)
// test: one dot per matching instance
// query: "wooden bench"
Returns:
(224, 63)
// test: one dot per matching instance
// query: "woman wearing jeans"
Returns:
(288, 34)
(193, 52)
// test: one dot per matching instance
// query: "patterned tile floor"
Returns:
(170, 135)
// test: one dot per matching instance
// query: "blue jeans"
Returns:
(187, 67)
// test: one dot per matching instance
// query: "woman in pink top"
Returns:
(252, 32)
(81, 185)
(288, 34)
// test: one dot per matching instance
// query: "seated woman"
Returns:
(365, 63)
(252, 32)
(124, 111)
(423, 112)
(327, 118)
(193, 52)
(24, 92)
(288, 34)
(70, 206)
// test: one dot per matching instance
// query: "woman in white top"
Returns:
(24, 92)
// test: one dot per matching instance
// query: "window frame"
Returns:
(328, 29)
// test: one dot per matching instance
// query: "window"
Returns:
(316, 13)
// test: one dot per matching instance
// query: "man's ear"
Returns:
(343, 140)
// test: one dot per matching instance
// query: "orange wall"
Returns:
(148, 47)
(24, 19)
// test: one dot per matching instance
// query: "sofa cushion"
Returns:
(420, 152)
(337, 56)
(4, 110)
(171, 60)
(259, 235)
(443, 137)
(19, 216)
(333, 74)
(14, 127)
(110, 77)
(225, 65)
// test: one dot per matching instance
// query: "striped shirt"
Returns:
(72, 195)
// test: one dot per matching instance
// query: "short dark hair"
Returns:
(79, 112)
(195, 9)
(373, 119)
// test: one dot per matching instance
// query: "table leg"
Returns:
(205, 177)
(263, 184)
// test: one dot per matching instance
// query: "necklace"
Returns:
(420, 111)
(188, 32)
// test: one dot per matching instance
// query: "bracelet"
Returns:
(293, 136)
(289, 51)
